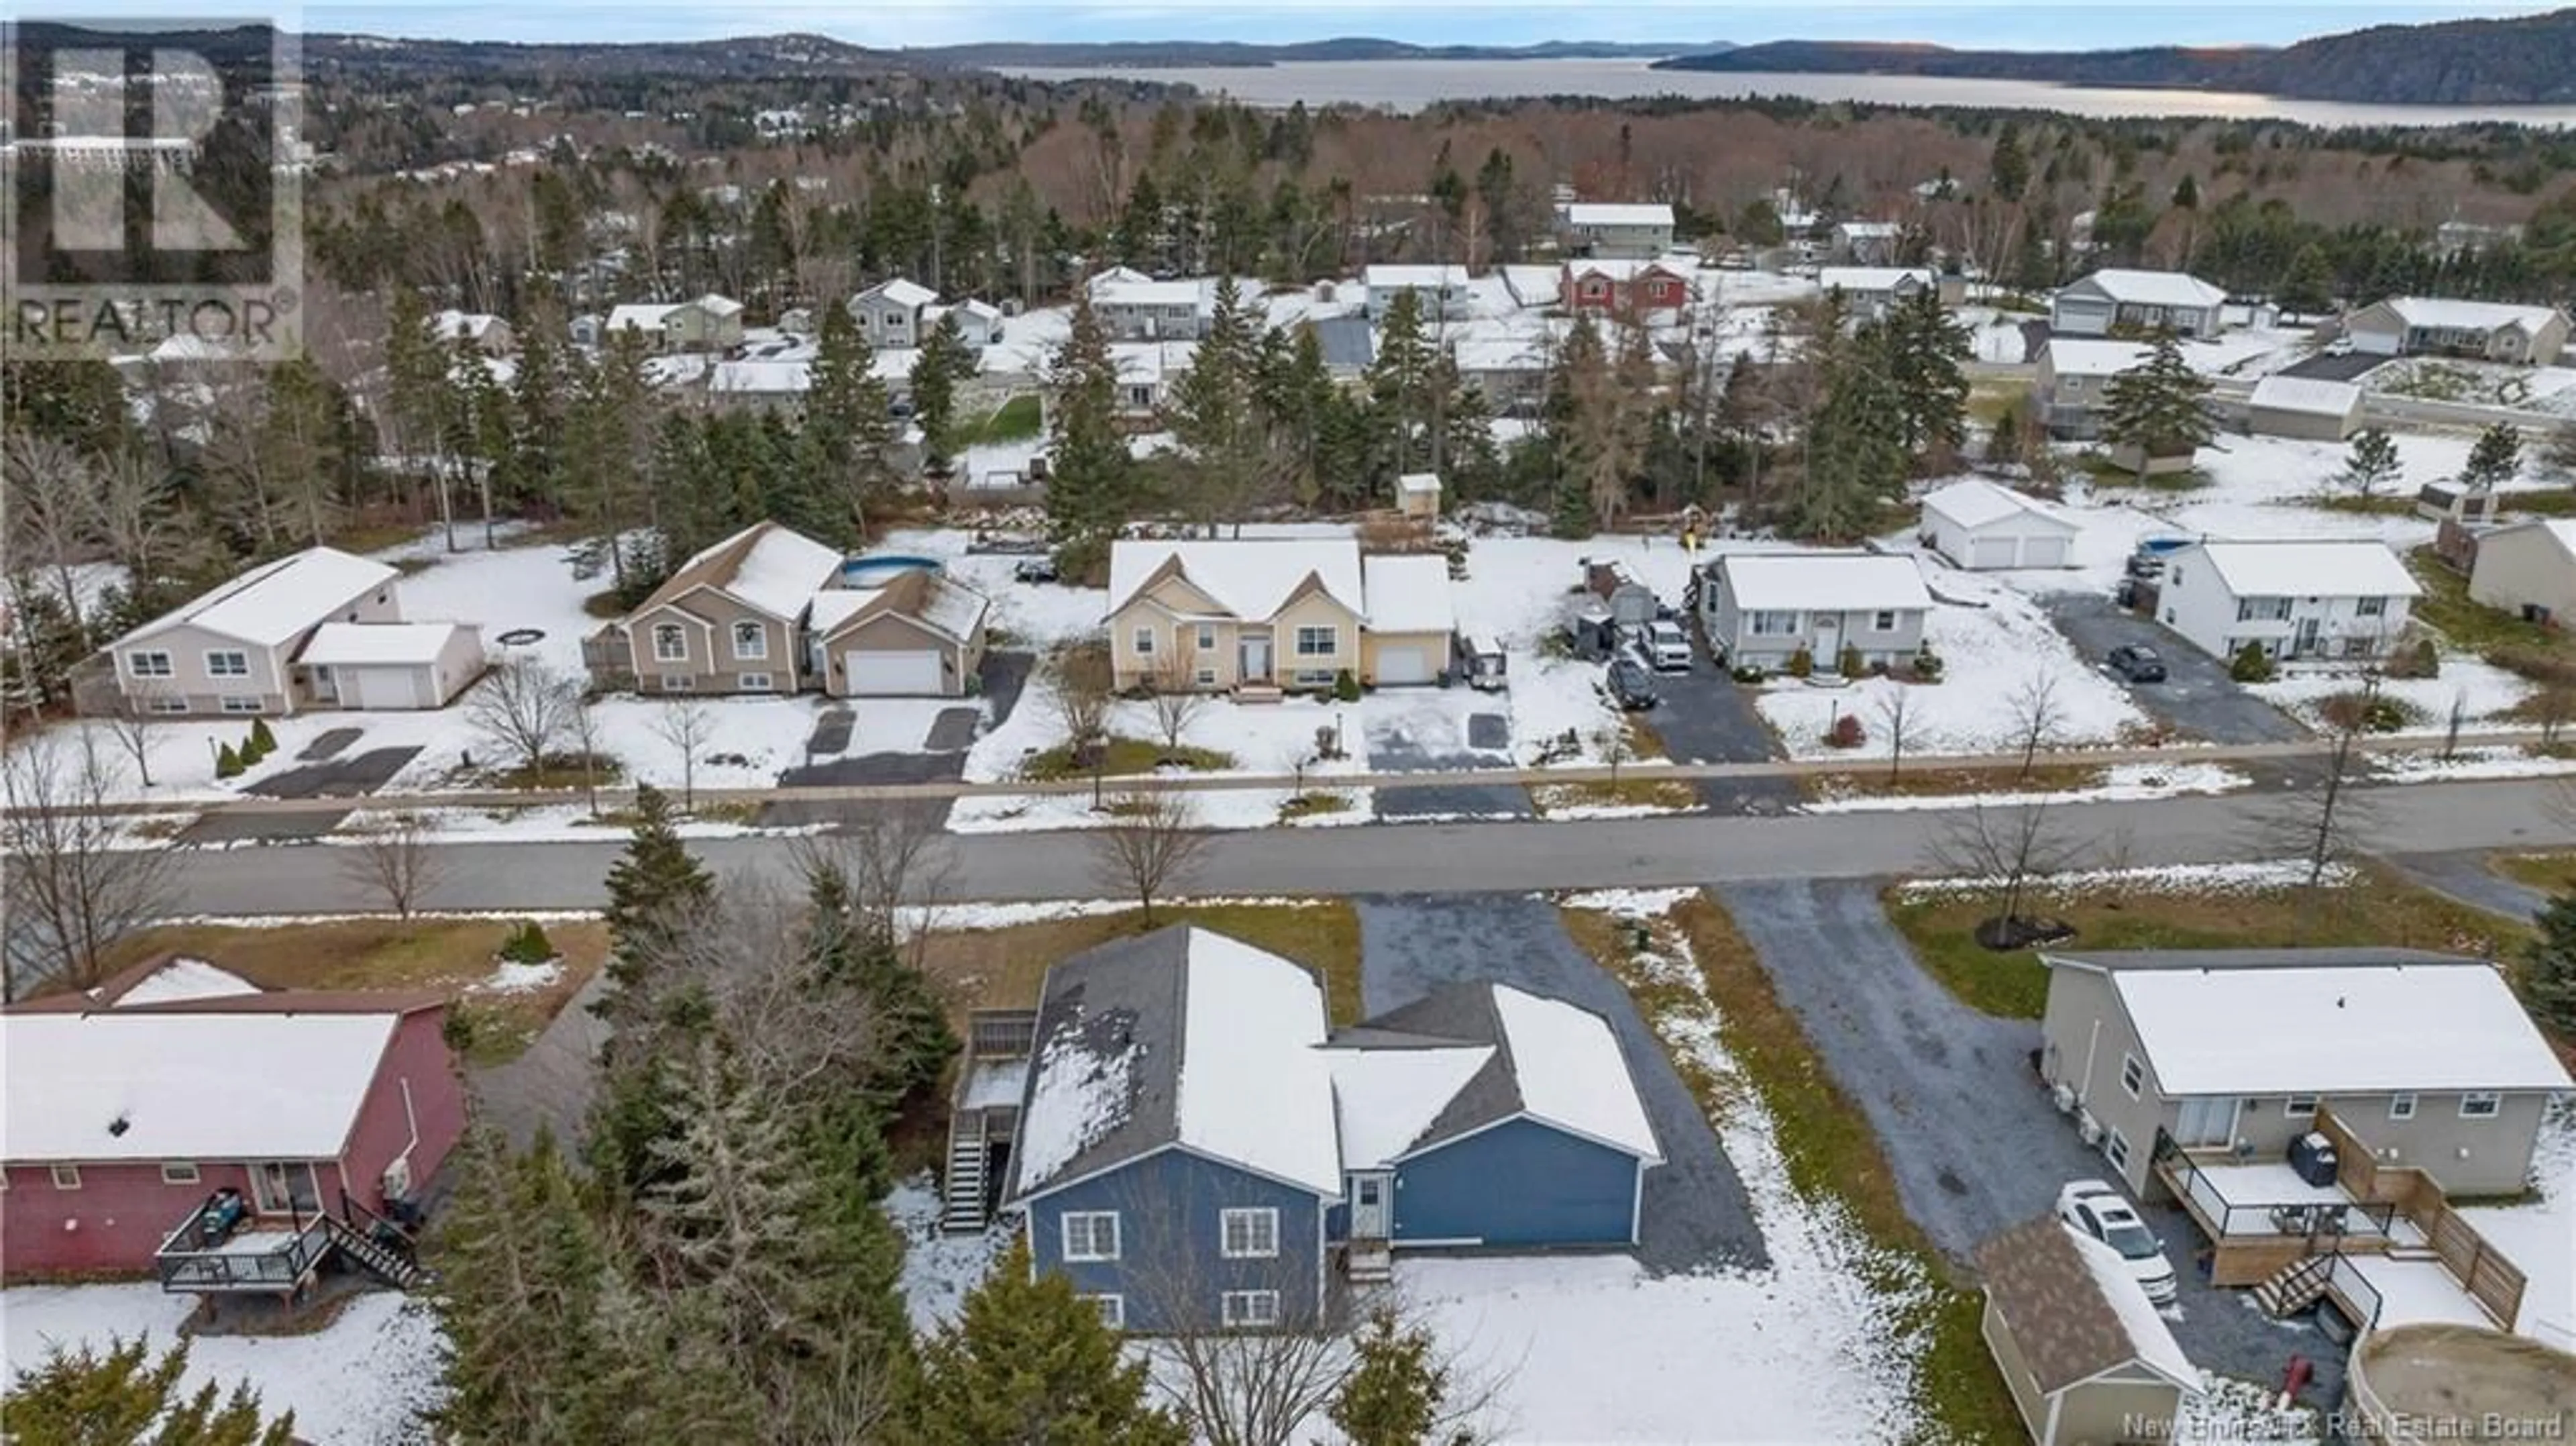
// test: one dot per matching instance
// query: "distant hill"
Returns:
(2526, 60)
(759, 57)
(1199, 55)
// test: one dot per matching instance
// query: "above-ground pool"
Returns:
(882, 568)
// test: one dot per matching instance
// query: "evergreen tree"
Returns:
(2155, 406)
(1471, 465)
(2549, 966)
(1399, 388)
(1296, 393)
(915, 1042)
(1215, 414)
(2560, 456)
(1091, 475)
(1397, 1389)
(944, 361)
(1856, 456)
(2008, 172)
(1924, 344)
(519, 1273)
(1029, 1363)
(2494, 459)
(852, 426)
(2310, 284)
(2372, 463)
(656, 889)
(126, 1396)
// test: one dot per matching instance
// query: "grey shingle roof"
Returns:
(2138, 959)
(1121, 999)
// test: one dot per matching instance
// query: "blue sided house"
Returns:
(1195, 1146)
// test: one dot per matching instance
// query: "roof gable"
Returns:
(2074, 1317)
(765, 567)
(276, 600)
(1976, 502)
(1251, 579)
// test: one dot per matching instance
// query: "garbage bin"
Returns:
(2312, 1158)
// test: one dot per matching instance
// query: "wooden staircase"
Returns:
(2295, 1286)
(392, 1263)
(1259, 693)
(962, 1187)
(1368, 1262)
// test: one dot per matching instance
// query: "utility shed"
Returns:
(2086, 1356)
(2308, 408)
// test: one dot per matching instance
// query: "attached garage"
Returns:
(1407, 636)
(399, 686)
(1986, 528)
(386, 667)
(870, 674)
(1402, 665)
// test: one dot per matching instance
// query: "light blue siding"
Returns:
(1520, 1183)
(1171, 1242)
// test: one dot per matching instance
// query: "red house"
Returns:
(182, 1120)
(1621, 287)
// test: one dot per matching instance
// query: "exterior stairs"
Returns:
(1368, 1262)
(2295, 1286)
(1259, 693)
(962, 1185)
(385, 1259)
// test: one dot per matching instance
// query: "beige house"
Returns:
(1275, 613)
(235, 649)
(920, 635)
(2087, 1358)
(2427, 1058)
(730, 620)
(2528, 569)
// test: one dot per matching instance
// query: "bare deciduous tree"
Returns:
(397, 858)
(1896, 716)
(1176, 699)
(1082, 682)
(895, 862)
(686, 725)
(71, 891)
(523, 708)
(2006, 851)
(583, 729)
(2037, 714)
(136, 723)
(1151, 846)
(51, 504)
(2318, 822)
(1612, 741)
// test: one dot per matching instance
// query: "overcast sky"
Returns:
(947, 22)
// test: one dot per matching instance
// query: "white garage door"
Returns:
(1403, 665)
(380, 688)
(1994, 551)
(2043, 552)
(876, 674)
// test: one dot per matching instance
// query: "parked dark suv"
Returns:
(2136, 663)
(1631, 686)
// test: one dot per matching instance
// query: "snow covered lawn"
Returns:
(1989, 655)
(2486, 693)
(2540, 1237)
(358, 1381)
(2469, 764)
(2120, 783)
(939, 1269)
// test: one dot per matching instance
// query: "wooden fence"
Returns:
(2493, 1281)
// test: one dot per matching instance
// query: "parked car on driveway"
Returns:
(1668, 647)
(1631, 686)
(2090, 1207)
(1034, 569)
(2136, 662)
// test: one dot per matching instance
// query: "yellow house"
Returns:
(1290, 613)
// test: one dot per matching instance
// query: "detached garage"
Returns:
(2087, 1358)
(385, 667)
(919, 636)
(1985, 528)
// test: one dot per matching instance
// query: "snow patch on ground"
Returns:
(2540, 1237)
(2236, 878)
(359, 1381)
(515, 978)
(1637, 903)
(939, 1269)
(2230, 1410)
(2484, 692)
(2470, 764)
(2121, 782)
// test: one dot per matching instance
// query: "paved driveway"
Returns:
(1970, 1137)
(1695, 1212)
(2465, 876)
(940, 757)
(2198, 697)
(1706, 718)
(1432, 738)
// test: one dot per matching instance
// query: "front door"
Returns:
(1256, 660)
(281, 1189)
(2206, 1122)
(1829, 642)
(1372, 1205)
(2307, 646)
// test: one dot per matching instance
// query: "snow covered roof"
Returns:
(1975, 502)
(1864, 229)
(2307, 567)
(2312, 395)
(764, 565)
(2077, 357)
(178, 979)
(714, 305)
(1250, 578)
(274, 601)
(2074, 1310)
(1622, 268)
(188, 1085)
(761, 376)
(1114, 276)
(2562, 529)
(2443, 314)
(1408, 594)
(336, 644)
(1504, 1054)
(1418, 484)
(1500, 354)
(1618, 213)
(1147, 293)
(470, 325)
(937, 601)
(1822, 581)
(2324, 1021)
(1180, 1038)
(1863, 280)
(639, 316)
(2152, 288)
(1390, 277)
(911, 295)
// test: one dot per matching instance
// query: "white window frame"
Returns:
(1311, 678)
(1254, 1221)
(1207, 677)
(670, 655)
(758, 633)
(2133, 1075)
(679, 683)
(66, 1177)
(2401, 1107)
(1112, 1308)
(1248, 1309)
(1306, 633)
(756, 682)
(1771, 623)
(1207, 636)
(2292, 1108)
(228, 656)
(1142, 642)
(2370, 607)
(162, 666)
(1883, 621)
(179, 1172)
(1090, 1225)
(2115, 1148)
(165, 703)
(238, 703)
(2491, 1104)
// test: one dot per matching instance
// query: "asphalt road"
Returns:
(1419, 858)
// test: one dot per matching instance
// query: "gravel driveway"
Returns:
(1695, 1212)
(1970, 1137)
(2197, 696)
